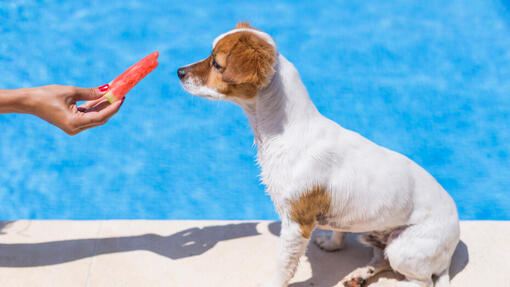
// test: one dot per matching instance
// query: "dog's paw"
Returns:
(358, 277)
(325, 242)
(354, 282)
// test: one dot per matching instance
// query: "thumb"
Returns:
(88, 94)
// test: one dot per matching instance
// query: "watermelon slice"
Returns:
(127, 80)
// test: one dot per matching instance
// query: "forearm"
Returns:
(15, 101)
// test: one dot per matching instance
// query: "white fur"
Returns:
(371, 187)
(193, 86)
(263, 35)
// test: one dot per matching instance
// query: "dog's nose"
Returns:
(181, 73)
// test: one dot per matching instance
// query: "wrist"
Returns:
(24, 100)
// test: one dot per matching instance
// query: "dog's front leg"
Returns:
(292, 247)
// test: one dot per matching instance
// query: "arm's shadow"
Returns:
(186, 243)
(4, 224)
(329, 268)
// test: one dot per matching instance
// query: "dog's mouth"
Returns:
(196, 88)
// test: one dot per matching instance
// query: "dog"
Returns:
(320, 174)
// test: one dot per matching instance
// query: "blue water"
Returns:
(430, 79)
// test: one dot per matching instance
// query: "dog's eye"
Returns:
(215, 64)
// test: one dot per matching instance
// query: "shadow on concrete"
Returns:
(329, 268)
(186, 243)
(4, 224)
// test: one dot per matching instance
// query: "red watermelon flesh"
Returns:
(127, 80)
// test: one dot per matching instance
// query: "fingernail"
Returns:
(104, 88)
(122, 102)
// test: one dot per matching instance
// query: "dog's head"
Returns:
(241, 63)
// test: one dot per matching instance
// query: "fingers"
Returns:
(88, 94)
(93, 118)
(93, 105)
(100, 116)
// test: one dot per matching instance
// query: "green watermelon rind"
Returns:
(109, 96)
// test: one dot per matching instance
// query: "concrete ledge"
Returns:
(207, 253)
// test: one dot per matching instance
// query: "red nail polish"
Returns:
(104, 88)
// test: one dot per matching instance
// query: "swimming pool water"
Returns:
(428, 79)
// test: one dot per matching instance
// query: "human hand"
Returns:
(57, 105)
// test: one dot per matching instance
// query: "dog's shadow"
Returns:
(329, 268)
(190, 242)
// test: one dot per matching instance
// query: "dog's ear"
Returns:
(242, 24)
(250, 61)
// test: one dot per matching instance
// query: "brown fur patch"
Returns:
(249, 59)
(246, 65)
(313, 204)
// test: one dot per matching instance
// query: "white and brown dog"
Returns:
(319, 174)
